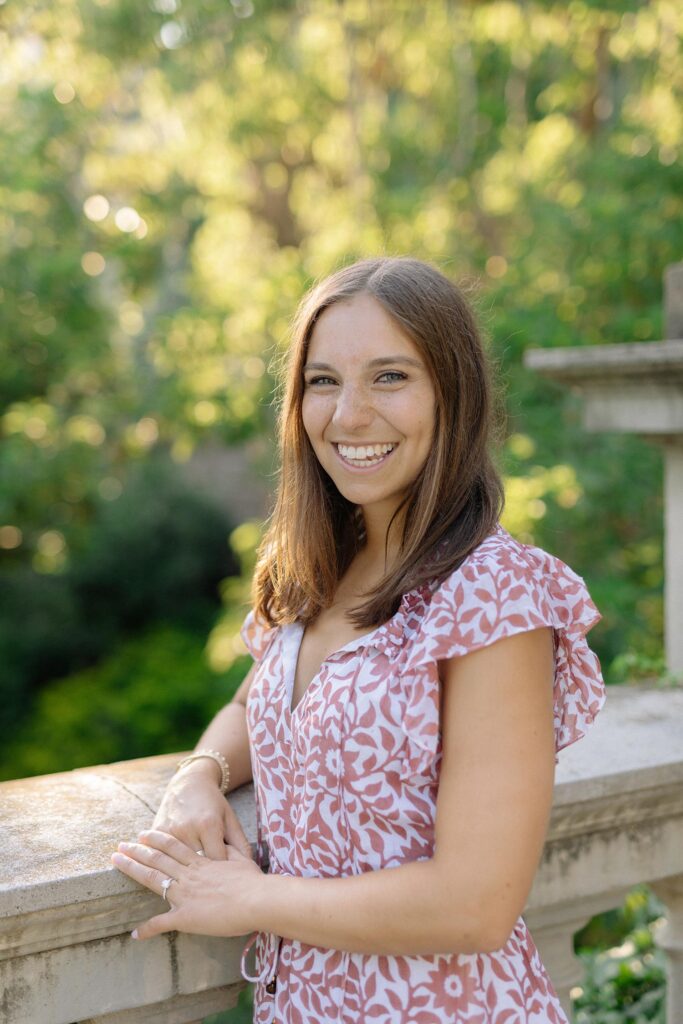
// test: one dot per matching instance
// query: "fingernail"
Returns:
(134, 934)
(118, 858)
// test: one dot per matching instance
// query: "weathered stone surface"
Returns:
(618, 808)
(673, 555)
(635, 740)
(85, 980)
(179, 1010)
(631, 388)
(646, 361)
(66, 914)
(205, 962)
(63, 829)
(54, 927)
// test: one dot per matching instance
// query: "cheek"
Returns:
(313, 418)
(423, 432)
(416, 418)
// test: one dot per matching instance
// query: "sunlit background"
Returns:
(173, 175)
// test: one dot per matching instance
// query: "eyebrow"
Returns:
(381, 361)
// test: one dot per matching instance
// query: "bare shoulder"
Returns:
(516, 673)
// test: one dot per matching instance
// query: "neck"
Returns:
(382, 549)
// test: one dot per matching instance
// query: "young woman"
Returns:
(416, 670)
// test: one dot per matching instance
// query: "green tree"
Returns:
(175, 173)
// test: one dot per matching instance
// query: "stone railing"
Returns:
(65, 914)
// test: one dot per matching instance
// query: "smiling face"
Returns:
(369, 405)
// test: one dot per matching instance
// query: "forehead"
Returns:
(358, 327)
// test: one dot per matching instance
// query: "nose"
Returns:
(353, 409)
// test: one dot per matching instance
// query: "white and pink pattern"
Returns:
(348, 781)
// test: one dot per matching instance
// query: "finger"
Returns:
(161, 823)
(149, 877)
(184, 834)
(211, 840)
(156, 926)
(234, 835)
(168, 844)
(152, 858)
(236, 854)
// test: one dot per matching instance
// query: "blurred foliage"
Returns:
(224, 643)
(625, 972)
(175, 174)
(155, 553)
(243, 1013)
(152, 696)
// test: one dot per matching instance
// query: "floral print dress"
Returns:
(348, 781)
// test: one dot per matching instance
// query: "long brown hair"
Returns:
(452, 505)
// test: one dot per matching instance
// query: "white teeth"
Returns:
(364, 454)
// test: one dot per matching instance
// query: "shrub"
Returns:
(156, 553)
(154, 695)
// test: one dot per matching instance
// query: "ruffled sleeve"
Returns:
(256, 635)
(501, 589)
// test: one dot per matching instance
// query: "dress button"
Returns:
(271, 986)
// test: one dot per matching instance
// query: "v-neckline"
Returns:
(292, 637)
(293, 634)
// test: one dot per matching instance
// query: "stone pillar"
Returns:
(673, 301)
(673, 493)
(637, 388)
(670, 939)
(555, 944)
(673, 557)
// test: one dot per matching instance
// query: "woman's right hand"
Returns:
(194, 809)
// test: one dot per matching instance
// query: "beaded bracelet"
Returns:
(216, 756)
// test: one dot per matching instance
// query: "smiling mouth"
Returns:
(364, 456)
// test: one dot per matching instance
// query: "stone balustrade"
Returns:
(635, 387)
(65, 914)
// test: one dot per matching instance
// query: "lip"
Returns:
(349, 466)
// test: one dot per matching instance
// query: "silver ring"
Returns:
(165, 885)
(200, 853)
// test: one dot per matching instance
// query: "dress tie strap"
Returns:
(271, 953)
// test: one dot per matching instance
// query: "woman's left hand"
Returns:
(206, 897)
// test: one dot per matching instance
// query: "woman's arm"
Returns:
(493, 808)
(227, 733)
(193, 807)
